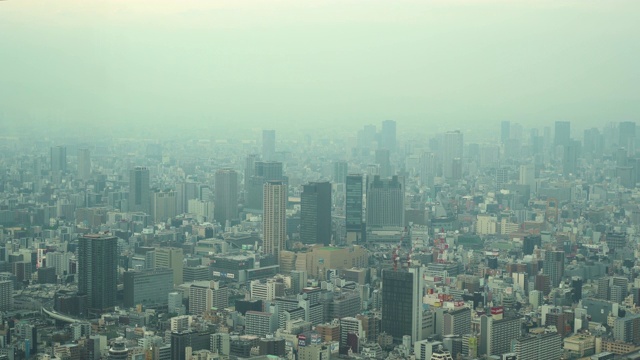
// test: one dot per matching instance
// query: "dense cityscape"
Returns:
(380, 244)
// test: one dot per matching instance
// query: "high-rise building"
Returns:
(505, 131)
(383, 159)
(268, 145)
(562, 133)
(553, 266)
(496, 335)
(402, 293)
(98, 270)
(173, 258)
(206, 295)
(385, 203)
(627, 134)
(163, 205)
(315, 213)
(388, 135)
(84, 164)
(529, 244)
(340, 172)
(570, 158)
(502, 177)
(274, 220)
(298, 280)
(58, 159)
(452, 149)
(6, 295)
(539, 347)
(139, 191)
(147, 287)
(354, 209)
(260, 323)
(226, 196)
(263, 172)
(428, 168)
(457, 322)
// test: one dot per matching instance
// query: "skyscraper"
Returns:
(627, 134)
(167, 257)
(268, 145)
(340, 171)
(553, 266)
(163, 205)
(562, 134)
(496, 335)
(315, 213)
(452, 149)
(385, 202)
(263, 171)
(505, 131)
(570, 158)
(388, 135)
(274, 220)
(226, 198)
(354, 210)
(84, 164)
(139, 191)
(384, 162)
(98, 270)
(58, 159)
(402, 293)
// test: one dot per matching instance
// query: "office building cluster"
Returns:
(373, 245)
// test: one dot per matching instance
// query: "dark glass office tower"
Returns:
(97, 271)
(264, 171)
(563, 133)
(58, 159)
(139, 191)
(354, 209)
(315, 213)
(226, 197)
(402, 292)
(529, 244)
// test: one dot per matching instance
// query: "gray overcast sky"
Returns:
(272, 63)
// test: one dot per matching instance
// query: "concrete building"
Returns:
(173, 258)
(274, 221)
(97, 270)
(147, 287)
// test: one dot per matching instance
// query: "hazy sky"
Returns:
(267, 64)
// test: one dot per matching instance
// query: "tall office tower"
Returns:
(58, 159)
(402, 293)
(268, 145)
(593, 143)
(428, 168)
(384, 162)
(172, 258)
(163, 205)
(528, 176)
(84, 164)
(505, 131)
(226, 201)
(562, 134)
(385, 203)
(263, 172)
(502, 177)
(340, 171)
(570, 158)
(354, 210)
(249, 170)
(6, 295)
(452, 149)
(298, 281)
(139, 191)
(627, 135)
(274, 220)
(366, 137)
(457, 322)
(388, 135)
(496, 335)
(185, 191)
(529, 244)
(147, 287)
(315, 213)
(98, 270)
(553, 266)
